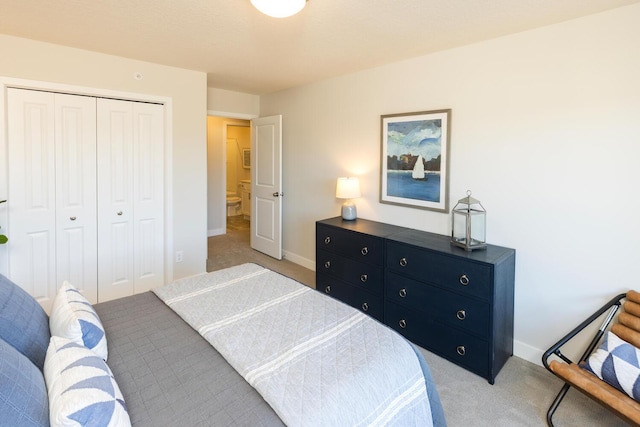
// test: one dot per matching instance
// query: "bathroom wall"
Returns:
(238, 138)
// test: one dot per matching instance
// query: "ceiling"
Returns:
(242, 50)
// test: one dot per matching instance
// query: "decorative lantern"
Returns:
(469, 224)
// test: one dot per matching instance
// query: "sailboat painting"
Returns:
(415, 159)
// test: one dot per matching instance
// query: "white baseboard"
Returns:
(305, 262)
(527, 352)
(216, 232)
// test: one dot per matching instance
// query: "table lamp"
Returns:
(348, 188)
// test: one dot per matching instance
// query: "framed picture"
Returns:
(415, 159)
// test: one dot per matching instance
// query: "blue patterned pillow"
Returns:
(618, 363)
(23, 322)
(82, 389)
(73, 317)
(23, 394)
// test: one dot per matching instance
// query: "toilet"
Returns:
(234, 204)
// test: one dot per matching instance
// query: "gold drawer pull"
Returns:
(461, 350)
(327, 240)
(364, 250)
(327, 289)
(363, 278)
(403, 262)
(461, 314)
(327, 264)
(464, 280)
(365, 306)
(402, 323)
(402, 292)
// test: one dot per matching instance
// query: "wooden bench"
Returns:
(627, 327)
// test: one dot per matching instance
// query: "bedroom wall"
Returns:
(31, 60)
(545, 132)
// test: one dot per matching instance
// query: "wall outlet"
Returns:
(179, 256)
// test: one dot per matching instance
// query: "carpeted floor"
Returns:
(520, 396)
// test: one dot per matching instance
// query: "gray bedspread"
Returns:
(169, 375)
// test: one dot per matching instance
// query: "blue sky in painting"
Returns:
(415, 137)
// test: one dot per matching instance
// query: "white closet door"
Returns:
(76, 213)
(52, 193)
(31, 198)
(115, 199)
(148, 196)
(130, 197)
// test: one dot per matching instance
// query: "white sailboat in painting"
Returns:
(418, 170)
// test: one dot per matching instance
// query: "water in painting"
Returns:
(401, 184)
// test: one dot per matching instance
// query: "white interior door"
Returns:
(76, 216)
(52, 193)
(266, 185)
(148, 196)
(130, 197)
(115, 201)
(31, 198)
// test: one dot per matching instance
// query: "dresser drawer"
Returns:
(362, 300)
(452, 273)
(365, 276)
(357, 246)
(450, 343)
(456, 310)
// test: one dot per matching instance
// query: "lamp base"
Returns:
(349, 211)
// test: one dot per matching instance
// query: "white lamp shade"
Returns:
(279, 8)
(348, 188)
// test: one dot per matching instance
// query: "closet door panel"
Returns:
(31, 197)
(76, 213)
(115, 199)
(148, 190)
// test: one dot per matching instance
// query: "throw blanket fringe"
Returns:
(315, 360)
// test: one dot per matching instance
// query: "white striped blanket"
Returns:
(315, 360)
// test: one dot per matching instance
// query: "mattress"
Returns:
(169, 375)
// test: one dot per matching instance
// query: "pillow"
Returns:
(618, 363)
(23, 394)
(23, 322)
(73, 317)
(82, 390)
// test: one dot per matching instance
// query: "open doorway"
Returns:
(228, 173)
(228, 187)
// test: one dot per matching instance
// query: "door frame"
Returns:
(7, 82)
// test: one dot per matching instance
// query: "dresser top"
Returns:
(365, 226)
(422, 239)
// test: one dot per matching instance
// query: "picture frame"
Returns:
(414, 159)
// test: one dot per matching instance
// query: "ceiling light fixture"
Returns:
(279, 8)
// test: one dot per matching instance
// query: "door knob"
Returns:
(276, 194)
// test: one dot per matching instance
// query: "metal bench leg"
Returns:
(556, 402)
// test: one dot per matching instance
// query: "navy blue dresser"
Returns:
(454, 303)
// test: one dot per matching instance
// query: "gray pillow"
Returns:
(23, 394)
(23, 322)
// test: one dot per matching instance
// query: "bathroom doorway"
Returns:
(228, 140)
(238, 176)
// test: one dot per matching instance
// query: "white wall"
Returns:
(545, 132)
(31, 60)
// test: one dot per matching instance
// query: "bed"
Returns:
(191, 354)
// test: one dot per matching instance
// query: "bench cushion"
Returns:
(618, 363)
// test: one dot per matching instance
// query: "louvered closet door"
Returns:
(130, 197)
(51, 154)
